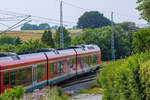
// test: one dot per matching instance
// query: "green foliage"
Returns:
(29, 27)
(77, 40)
(6, 39)
(141, 40)
(48, 39)
(60, 91)
(18, 41)
(12, 94)
(93, 19)
(7, 48)
(144, 8)
(31, 45)
(66, 35)
(44, 26)
(128, 26)
(125, 79)
(145, 79)
(102, 37)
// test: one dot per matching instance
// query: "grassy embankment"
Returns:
(127, 79)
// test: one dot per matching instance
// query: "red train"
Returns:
(34, 70)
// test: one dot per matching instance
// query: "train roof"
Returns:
(9, 59)
(82, 46)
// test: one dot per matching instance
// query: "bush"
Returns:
(7, 48)
(123, 79)
(12, 94)
(141, 40)
(31, 45)
(6, 39)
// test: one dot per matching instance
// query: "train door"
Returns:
(34, 75)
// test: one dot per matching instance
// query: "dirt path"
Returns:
(88, 97)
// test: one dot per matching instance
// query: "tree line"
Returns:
(99, 36)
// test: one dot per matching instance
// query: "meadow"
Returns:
(36, 34)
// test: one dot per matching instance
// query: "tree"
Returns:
(44, 26)
(29, 27)
(47, 38)
(128, 26)
(18, 41)
(102, 37)
(92, 19)
(141, 40)
(7, 39)
(144, 8)
(54, 27)
(31, 45)
(67, 38)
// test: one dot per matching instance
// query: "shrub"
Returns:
(31, 45)
(122, 79)
(6, 39)
(141, 40)
(11, 94)
(47, 38)
(7, 48)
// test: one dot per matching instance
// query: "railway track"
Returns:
(78, 80)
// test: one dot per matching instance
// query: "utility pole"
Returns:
(112, 37)
(61, 26)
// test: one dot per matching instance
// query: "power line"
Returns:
(116, 13)
(9, 28)
(33, 16)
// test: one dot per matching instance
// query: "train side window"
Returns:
(43, 70)
(24, 72)
(68, 63)
(55, 68)
(6, 78)
(18, 78)
(39, 69)
(12, 78)
(84, 61)
(62, 66)
(88, 60)
(29, 75)
(92, 60)
(51, 68)
(71, 62)
(79, 60)
(96, 58)
(74, 60)
(58, 67)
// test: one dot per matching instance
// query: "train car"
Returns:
(35, 70)
(88, 58)
(60, 64)
(21, 70)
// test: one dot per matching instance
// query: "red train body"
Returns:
(45, 68)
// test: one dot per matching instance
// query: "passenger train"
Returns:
(47, 67)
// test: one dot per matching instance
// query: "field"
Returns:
(36, 34)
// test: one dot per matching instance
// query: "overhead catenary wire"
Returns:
(33, 16)
(9, 28)
(104, 12)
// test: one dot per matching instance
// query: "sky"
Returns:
(124, 10)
